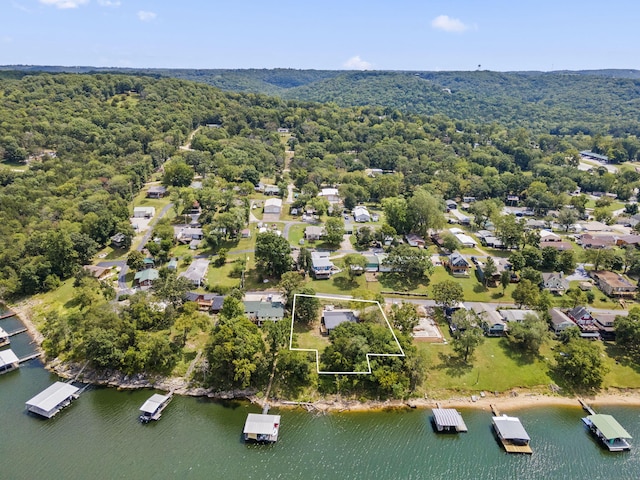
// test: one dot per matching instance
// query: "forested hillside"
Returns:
(562, 102)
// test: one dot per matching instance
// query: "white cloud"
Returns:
(448, 24)
(109, 3)
(146, 16)
(64, 3)
(356, 63)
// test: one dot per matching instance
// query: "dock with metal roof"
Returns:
(448, 420)
(53, 399)
(8, 361)
(608, 431)
(153, 407)
(261, 427)
(512, 435)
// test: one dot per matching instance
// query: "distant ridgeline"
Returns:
(560, 102)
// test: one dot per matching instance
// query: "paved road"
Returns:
(124, 268)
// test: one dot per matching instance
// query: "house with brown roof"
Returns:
(613, 284)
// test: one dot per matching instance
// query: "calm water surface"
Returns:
(99, 437)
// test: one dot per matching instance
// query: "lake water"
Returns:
(99, 437)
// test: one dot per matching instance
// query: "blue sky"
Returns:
(323, 34)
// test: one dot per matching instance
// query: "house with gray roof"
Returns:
(263, 311)
(560, 321)
(332, 318)
(555, 282)
(196, 273)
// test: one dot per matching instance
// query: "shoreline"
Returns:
(512, 400)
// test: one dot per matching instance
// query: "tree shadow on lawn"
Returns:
(399, 283)
(521, 357)
(621, 356)
(479, 288)
(345, 283)
(453, 365)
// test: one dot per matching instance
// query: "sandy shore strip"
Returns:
(505, 401)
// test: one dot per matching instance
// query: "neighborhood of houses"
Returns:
(475, 248)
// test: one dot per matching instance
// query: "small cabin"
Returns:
(8, 361)
(53, 399)
(261, 427)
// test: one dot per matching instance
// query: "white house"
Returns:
(144, 212)
(465, 240)
(548, 236)
(361, 214)
(331, 194)
(273, 205)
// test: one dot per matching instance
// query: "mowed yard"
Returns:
(495, 366)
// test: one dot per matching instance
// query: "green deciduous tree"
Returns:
(178, 174)
(415, 264)
(334, 231)
(530, 334)
(580, 364)
(447, 293)
(526, 294)
(354, 264)
(273, 254)
(468, 335)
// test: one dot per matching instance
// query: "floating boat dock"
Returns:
(448, 420)
(606, 429)
(153, 407)
(261, 427)
(511, 433)
(53, 399)
(4, 337)
(8, 361)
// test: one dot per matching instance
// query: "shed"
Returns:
(261, 427)
(51, 400)
(8, 361)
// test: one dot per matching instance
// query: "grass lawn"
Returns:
(310, 337)
(446, 372)
(622, 372)
(296, 233)
(472, 289)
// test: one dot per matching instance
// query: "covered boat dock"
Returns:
(261, 427)
(153, 407)
(610, 433)
(53, 399)
(511, 434)
(448, 420)
(8, 361)
(4, 337)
